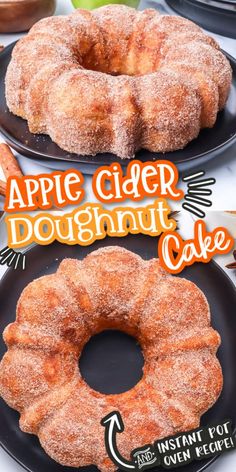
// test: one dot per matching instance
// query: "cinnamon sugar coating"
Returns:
(112, 288)
(117, 80)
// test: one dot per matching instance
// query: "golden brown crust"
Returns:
(57, 314)
(117, 80)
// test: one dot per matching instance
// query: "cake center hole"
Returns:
(111, 362)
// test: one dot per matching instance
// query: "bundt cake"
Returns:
(111, 288)
(117, 80)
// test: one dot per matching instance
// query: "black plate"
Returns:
(24, 448)
(218, 17)
(208, 145)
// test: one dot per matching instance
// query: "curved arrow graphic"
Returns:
(113, 424)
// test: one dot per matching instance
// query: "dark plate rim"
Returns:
(209, 461)
(221, 10)
(86, 160)
(221, 6)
